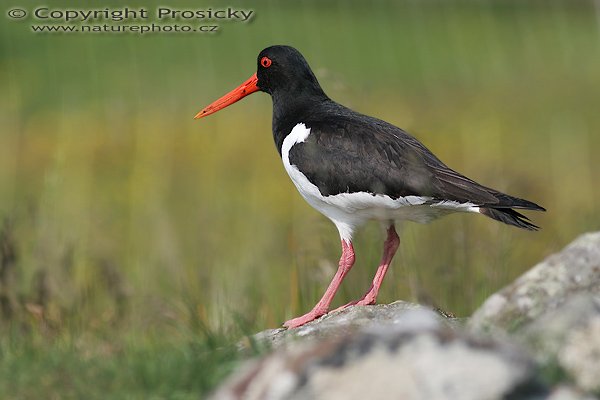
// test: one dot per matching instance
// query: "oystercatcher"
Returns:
(354, 168)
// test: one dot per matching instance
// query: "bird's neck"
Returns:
(293, 107)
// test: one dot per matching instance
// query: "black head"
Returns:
(283, 68)
(282, 72)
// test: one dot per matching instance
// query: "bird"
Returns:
(354, 168)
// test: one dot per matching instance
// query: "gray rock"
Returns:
(554, 310)
(416, 357)
(570, 338)
(574, 270)
(341, 323)
(568, 393)
(580, 355)
(549, 333)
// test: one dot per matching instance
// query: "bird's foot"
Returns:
(309, 316)
(367, 300)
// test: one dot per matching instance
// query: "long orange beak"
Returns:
(236, 94)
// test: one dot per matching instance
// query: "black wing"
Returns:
(356, 153)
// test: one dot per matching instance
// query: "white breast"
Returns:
(350, 210)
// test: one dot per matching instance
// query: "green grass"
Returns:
(113, 367)
(132, 226)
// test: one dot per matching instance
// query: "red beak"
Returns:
(236, 94)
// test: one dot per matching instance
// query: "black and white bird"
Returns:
(354, 168)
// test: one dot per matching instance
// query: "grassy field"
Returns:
(138, 245)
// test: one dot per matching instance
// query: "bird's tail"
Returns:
(509, 216)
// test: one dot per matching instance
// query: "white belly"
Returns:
(350, 210)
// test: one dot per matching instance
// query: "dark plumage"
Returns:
(350, 152)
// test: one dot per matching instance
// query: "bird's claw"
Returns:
(299, 321)
(366, 300)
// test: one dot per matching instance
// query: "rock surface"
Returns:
(569, 337)
(554, 310)
(575, 270)
(416, 357)
(341, 323)
(568, 393)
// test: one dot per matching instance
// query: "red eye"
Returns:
(266, 62)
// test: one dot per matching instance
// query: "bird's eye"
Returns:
(266, 62)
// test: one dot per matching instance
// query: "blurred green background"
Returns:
(138, 245)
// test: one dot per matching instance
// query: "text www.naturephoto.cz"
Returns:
(134, 29)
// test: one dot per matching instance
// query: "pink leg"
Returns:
(389, 249)
(346, 262)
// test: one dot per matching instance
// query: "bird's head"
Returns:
(280, 69)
